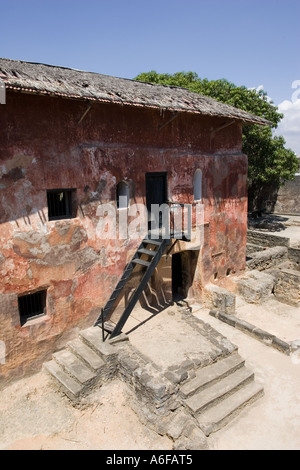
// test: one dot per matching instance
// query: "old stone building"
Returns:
(74, 142)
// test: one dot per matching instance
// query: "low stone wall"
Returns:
(265, 259)
(258, 333)
(287, 286)
(294, 255)
(253, 249)
(288, 197)
(264, 239)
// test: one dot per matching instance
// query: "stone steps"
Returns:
(67, 384)
(86, 354)
(215, 394)
(219, 391)
(207, 375)
(76, 367)
(222, 413)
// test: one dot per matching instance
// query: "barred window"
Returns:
(32, 305)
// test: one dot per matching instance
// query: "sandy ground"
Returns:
(34, 417)
(275, 317)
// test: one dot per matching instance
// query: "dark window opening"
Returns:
(61, 204)
(32, 306)
(198, 185)
(122, 195)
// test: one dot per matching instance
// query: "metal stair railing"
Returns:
(150, 265)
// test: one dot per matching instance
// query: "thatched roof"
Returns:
(76, 84)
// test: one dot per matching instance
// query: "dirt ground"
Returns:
(35, 417)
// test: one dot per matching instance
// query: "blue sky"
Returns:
(248, 42)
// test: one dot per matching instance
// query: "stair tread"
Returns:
(74, 366)
(147, 252)
(90, 357)
(93, 337)
(141, 261)
(150, 241)
(70, 385)
(214, 418)
(208, 374)
(109, 327)
(206, 397)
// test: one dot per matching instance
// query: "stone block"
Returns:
(256, 287)
(263, 335)
(230, 319)
(177, 424)
(187, 364)
(283, 346)
(244, 326)
(219, 298)
(177, 376)
(287, 286)
(157, 388)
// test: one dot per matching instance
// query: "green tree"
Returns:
(270, 162)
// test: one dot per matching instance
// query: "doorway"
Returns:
(156, 193)
(184, 266)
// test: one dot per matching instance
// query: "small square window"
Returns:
(61, 204)
(32, 305)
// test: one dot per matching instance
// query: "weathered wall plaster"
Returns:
(42, 147)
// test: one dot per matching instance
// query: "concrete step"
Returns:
(71, 387)
(219, 390)
(92, 337)
(76, 367)
(219, 415)
(210, 374)
(73, 366)
(86, 354)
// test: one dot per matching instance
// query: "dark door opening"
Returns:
(183, 271)
(176, 276)
(156, 193)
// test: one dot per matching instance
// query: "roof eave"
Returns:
(42, 92)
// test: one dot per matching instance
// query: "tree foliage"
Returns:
(270, 162)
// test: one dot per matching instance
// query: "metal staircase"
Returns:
(152, 249)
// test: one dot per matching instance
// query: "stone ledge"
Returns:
(266, 239)
(258, 333)
(265, 259)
